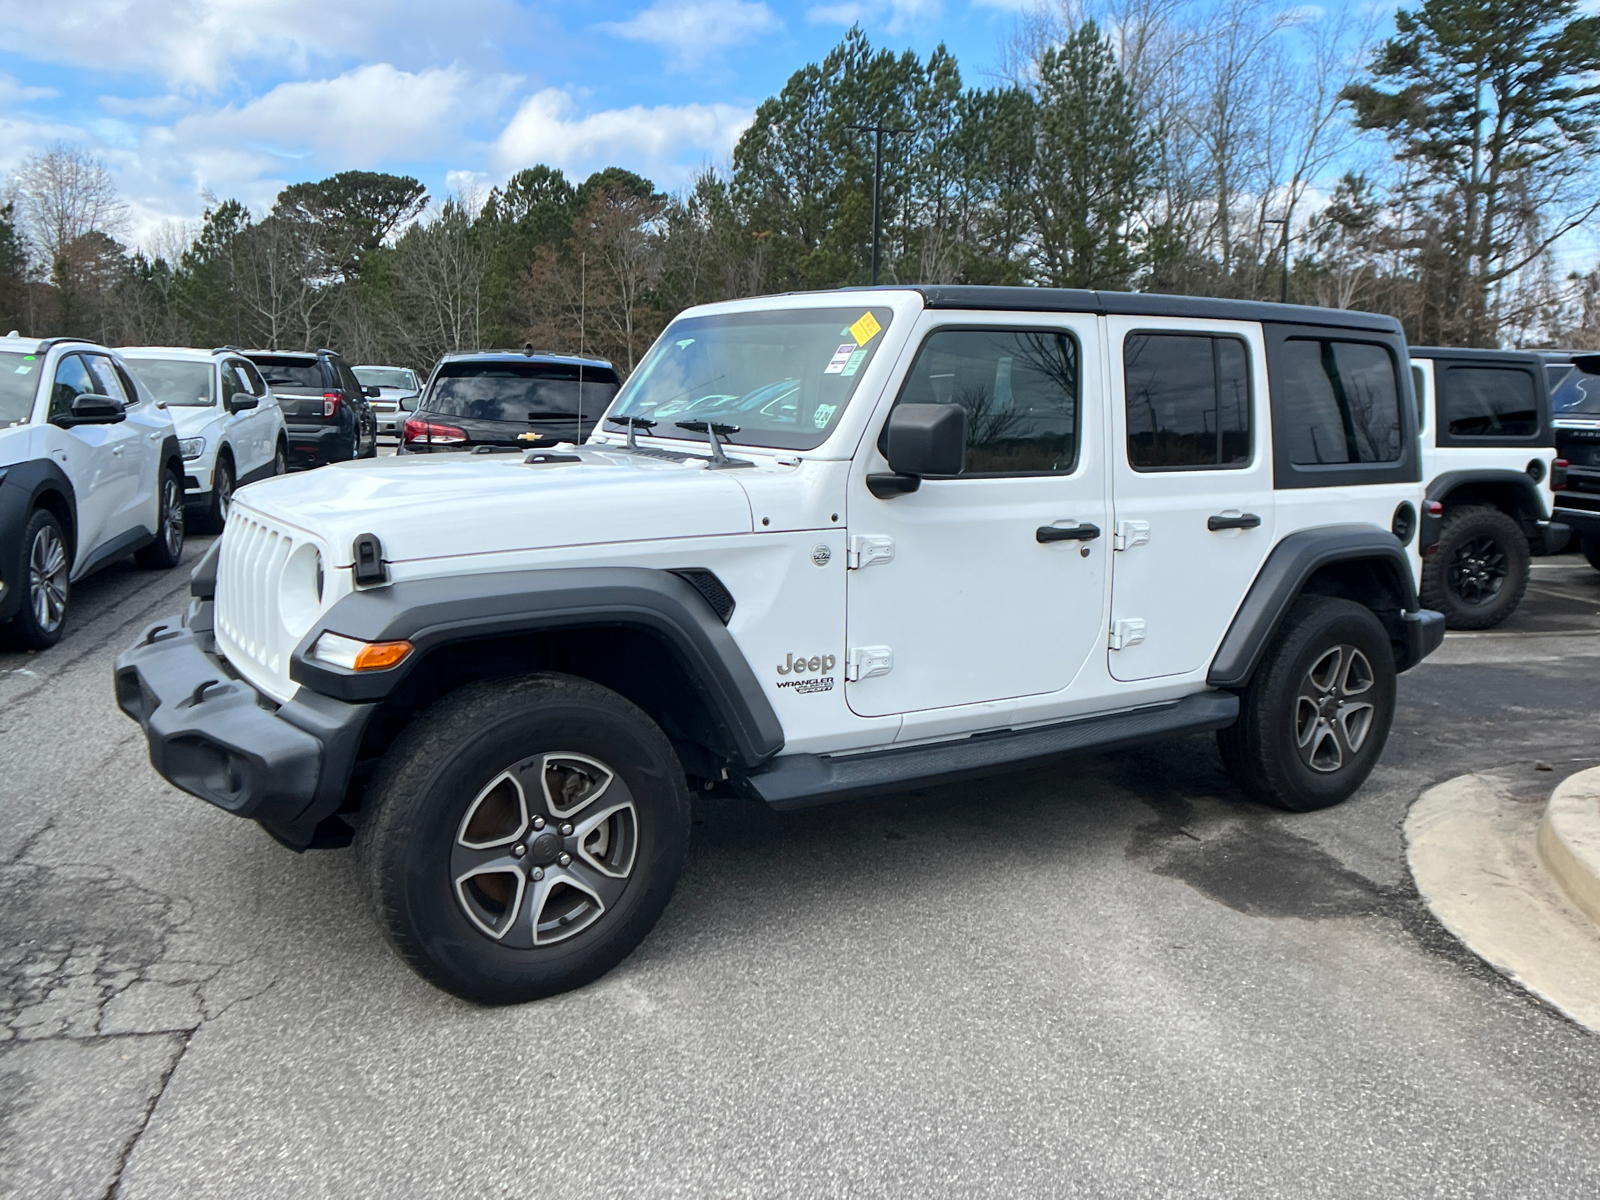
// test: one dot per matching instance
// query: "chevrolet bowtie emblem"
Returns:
(529, 437)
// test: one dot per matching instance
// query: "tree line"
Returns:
(1131, 144)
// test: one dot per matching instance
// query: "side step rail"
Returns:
(806, 780)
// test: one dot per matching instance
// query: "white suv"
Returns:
(230, 428)
(831, 545)
(89, 473)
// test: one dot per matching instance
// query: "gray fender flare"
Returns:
(1442, 485)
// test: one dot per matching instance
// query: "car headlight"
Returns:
(354, 655)
(192, 447)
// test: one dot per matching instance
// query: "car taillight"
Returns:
(330, 403)
(430, 434)
(1432, 510)
(1558, 475)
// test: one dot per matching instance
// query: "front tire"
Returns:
(42, 618)
(167, 550)
(1316, 715)
(1481, 570)
(523, 836)
(222, 484)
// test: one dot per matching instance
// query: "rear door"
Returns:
(1191, 488)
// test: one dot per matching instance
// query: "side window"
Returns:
(72, 380)
(1188, 398)
(347, 379)
(107, 381)
(256, 385)
(1419, 385)
(1019, 389)
(1489, 402)
(1341, 402)
(231, 384)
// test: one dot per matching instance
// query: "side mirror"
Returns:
(241, 402)
(410, 403)
(89, 408)
(371, 393)
(921, 439)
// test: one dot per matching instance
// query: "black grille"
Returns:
(709, 586)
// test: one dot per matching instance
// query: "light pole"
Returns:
(1284, 221)
(877, 129)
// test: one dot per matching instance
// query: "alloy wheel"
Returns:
(545, 849)
(1478, 571)
(224, 486)
(1333, 713)
(172, 506)
(47, 578)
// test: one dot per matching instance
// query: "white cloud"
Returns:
(203, 44)
(653, 141)
(1014, 6)
(896, 16)
(695, 30)
(836, 14)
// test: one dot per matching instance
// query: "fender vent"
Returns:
(709, 586)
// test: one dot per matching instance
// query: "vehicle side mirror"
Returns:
(240, 402)
(372, 393)
(90, 408)
(921, 439)
(410, 403)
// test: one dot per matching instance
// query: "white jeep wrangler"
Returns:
(828, 546)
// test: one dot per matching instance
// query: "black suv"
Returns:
(1575, 404)
(500, 398)
(324, 405)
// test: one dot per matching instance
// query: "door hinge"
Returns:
(867, 549)
(866, 661)
(1127, 632)
(1130, 534)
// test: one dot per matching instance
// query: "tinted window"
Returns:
(19, 378)
(182, 383)
(72, 381)
(232, 384)
(1419, 385)
(1577, 392)
(303, 374)
(1188, 398)
(1340, 402)
(1019, 389)
(1489, 402)
(108, 381)
(253, 382)
(520, 392)
(783, 377)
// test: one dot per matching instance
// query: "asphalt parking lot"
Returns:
(1112, 976)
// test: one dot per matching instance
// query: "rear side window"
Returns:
(1489, 402)
(301, 374)
(1340, 402)
(1188, 401)
(520, 392)
(1019, 389)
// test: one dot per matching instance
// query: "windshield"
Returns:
(1577, 394)
(783, 378)
(386, 377)
(19, 379)
(520, 392)
(302, 373)
(175, 381)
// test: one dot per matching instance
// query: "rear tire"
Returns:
(1314, 718)
(47, 562)
(1481, 570)
(167, 550)
(473, 810)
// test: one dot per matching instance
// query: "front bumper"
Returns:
(1424, 634)
(213, 735)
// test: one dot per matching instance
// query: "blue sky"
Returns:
(238, 97)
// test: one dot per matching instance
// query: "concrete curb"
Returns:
(1569, 839)
(1471, 846)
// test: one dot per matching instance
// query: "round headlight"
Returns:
(300, 589)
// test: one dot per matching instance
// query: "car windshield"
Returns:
(783, 378)
(182, 383)
(19, 379)
(385, 377)
(1578, 394)
(521, 392)
(302, 373)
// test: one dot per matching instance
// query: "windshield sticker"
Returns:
(865, 329)
(854, 365)
(840, 357)
(824, 414)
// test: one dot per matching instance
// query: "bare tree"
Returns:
(63, 195)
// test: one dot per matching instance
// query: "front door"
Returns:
(989, 585)
(100, 461)
(1191, 486)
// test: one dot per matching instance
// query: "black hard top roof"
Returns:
(1139, 304)
(1525, 357)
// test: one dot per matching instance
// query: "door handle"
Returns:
(1242, 521)
(1077, 533)
(156, 436)
(117, 450)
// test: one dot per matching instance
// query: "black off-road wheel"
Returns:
(1481, 570)
(47, 566)
(1315, 717)
(523, 836)
(167, 550)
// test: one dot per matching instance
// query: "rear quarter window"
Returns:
(1489, 402)
(294, 374)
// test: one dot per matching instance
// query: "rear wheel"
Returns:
(1481, 570)
(523, 836)
(43, 615)
(1316, 715)
(166, 551)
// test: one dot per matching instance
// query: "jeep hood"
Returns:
(445, 505)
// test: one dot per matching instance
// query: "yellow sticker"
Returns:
(865, 329)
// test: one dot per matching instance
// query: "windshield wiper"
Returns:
(712, 430)
(633, 423)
